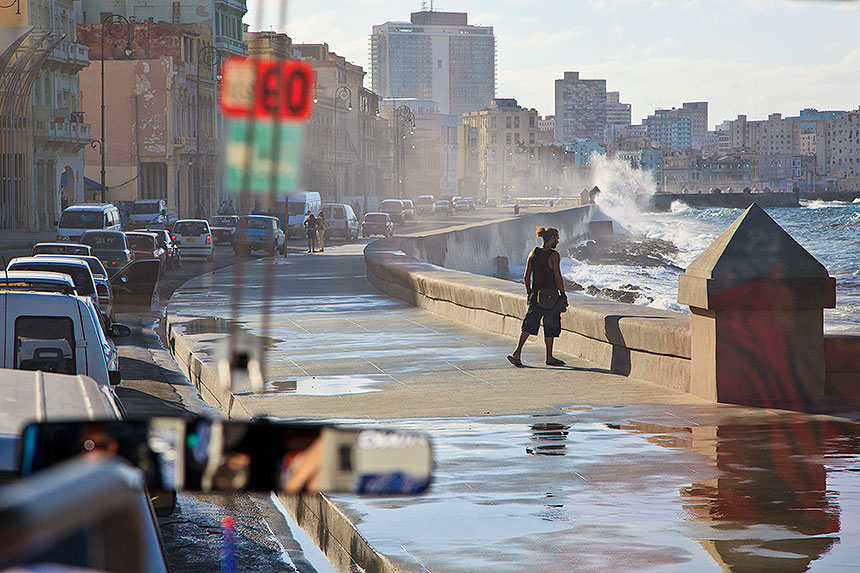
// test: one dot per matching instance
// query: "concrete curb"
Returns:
(336, 535)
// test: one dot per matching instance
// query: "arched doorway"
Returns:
(68, 189)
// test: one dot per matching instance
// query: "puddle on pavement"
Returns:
(321, 386)
(606, 488)
(215, 325)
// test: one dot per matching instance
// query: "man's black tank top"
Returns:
(542, 275)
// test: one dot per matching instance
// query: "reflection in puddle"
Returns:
(549, 439)
(216, 325)
(595, 489)
(321, 386)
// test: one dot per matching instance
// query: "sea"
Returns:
(830, 231)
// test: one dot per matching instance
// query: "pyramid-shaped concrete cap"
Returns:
(755, 247)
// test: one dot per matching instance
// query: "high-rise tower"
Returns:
(435, 56)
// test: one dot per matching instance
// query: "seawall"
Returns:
(432, 272)
(663, 201)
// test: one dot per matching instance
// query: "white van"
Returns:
(340, 221)
(84, 217)
(298, 205)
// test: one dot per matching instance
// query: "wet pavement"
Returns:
(551, 469)
(631, 488)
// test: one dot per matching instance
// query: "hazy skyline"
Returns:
(754, 57)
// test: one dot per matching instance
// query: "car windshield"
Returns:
(140, 242)
(81, 276)
(297, 208)
(82, 220)
(223, 221)
(190, 228)
(376, 218)
(105, 241)
(145, 208)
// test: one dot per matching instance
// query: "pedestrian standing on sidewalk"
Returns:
(321, 231)
(546, 297)
(311, 226)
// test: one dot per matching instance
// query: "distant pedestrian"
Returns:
(321, 231)
(310, 224)
(546, 297)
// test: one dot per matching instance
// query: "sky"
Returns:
(752, 57)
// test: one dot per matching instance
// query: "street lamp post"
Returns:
(341, 94)
(209, 56)
(405, 117)
(115, 26)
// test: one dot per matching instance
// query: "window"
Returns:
(45, 343)
(508, 122)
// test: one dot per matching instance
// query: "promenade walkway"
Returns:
(539, 468)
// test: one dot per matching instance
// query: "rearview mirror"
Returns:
(214, 455)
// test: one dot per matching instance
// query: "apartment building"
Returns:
(436, 56)
(44, 130)
(347, 142)
(161, 124)
(580, 109)
(507, 136)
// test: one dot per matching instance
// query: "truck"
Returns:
(150, 213)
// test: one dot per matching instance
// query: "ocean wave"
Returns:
(678, 206)
(818, 204)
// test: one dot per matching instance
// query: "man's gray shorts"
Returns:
(551, 319)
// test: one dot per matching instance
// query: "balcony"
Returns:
(72, 57)
(231, 46)
(60, 126)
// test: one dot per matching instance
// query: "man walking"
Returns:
(546, 297)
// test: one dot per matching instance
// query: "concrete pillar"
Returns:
(756, 302)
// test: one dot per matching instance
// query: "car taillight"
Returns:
(208, 239)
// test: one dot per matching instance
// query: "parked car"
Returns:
(37, 281)
(100, 276)
(490, 202)
(166, 242)
(259, 232)
(57, 333)
(110, 247)
(341, 221)
(470, 203)
(408, 210)
(394, 208)
(460, 204)
(77, 269)
(61, 249)
(194, 238)
(223, 228)
(145, 246)
(443, 206)
(424, 205)
(377, 224)
(78, 219)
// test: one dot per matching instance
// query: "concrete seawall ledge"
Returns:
(641, 342)
(636, 341)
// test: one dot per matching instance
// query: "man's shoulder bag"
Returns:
(547, 298)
